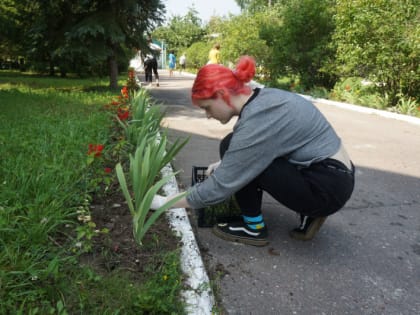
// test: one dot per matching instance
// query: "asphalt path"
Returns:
(366, 257)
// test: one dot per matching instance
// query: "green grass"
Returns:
(46, 126)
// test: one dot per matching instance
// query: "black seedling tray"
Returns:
(226, 211)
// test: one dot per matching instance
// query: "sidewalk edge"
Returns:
(365, 110)
(199, 296)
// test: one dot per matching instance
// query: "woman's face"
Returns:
(217, 108)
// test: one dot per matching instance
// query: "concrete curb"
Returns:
(199, 297)
(365, 110)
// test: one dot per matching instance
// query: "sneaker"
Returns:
(308, 228)
(239, 232)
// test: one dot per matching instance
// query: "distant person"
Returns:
(155, 70)
(172, 63)
(182, 63)
(156, 49)
(214, 55)
(147, 65)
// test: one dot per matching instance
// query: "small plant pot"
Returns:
(226, 211)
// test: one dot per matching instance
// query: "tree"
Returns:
(197, 55)
(85, 34)
(240, 36)
(301, 41)
(253, 6)
(379, 40)
(9, 25)
(181, 31)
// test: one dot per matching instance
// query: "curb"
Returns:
(365, 110)
(199, 296)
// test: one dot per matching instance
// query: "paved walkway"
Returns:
(365, 259)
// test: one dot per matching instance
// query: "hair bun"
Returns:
(245, 69)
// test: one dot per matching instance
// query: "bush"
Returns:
(197, 55)
(357, 91)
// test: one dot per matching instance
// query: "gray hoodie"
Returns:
(273, 123)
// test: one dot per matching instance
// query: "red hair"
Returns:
(215, 78)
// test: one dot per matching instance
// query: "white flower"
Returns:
(84, 218)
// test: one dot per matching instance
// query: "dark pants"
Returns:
(149, 66)
(148, 71)
(155, 68)
(318, 190)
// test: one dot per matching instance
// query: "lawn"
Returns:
(66, 242)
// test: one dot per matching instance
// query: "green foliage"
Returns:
(181, 31)
(407, 106)
(46, 127)
(82, 36)
(255, 6)
(240, 36)
(160, 295)
(300, 41)
(151, 155)
(9, 23)
(357, 91)
(43, 143)
(379, 40)
(197, 55)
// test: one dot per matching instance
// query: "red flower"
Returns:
(107, 170)
(123, 114)
(95, 149)
(124, 91)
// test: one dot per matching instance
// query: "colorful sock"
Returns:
(255, 223)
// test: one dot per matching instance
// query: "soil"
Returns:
(117, 249)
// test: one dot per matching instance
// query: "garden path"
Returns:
(365, 259)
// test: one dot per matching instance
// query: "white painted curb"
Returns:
(365, 110)
(198, 297)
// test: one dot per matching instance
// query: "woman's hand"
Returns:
(157, 202)
(212, 167)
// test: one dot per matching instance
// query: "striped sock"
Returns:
(255, 223)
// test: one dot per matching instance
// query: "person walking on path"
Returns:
(214, 55)
(281, 144)
(182, 63)
(147, 64)
(172, 63)
(151, 66)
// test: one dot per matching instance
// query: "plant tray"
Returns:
(226, 211)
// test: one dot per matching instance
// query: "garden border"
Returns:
(365, 110)
(199, 296)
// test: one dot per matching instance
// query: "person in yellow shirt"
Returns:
(214, 55)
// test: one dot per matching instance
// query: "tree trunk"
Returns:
(51, 68)
(113, 72)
